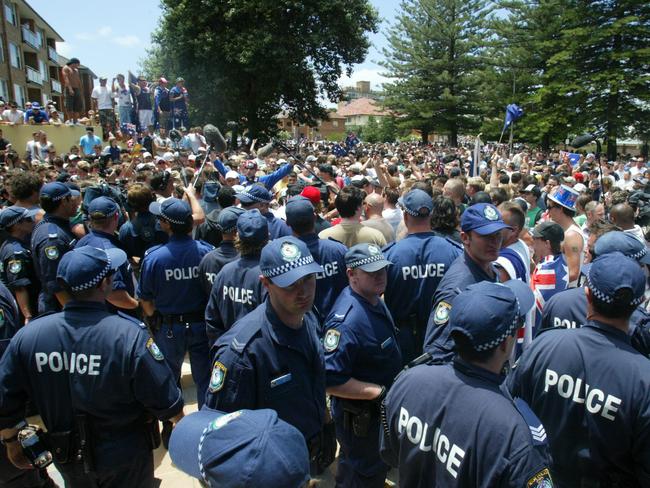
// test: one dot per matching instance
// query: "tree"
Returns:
(434, 58)
(248, 60)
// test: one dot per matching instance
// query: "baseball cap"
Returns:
(482, 218)
(173, 210)
(227, 219)
(162, 80)
(238, 449)
(549, 231)
(254, 194)
(250, 165)
(299, 210)
(367, 257)
(312, 193)
(612, 272)
(12, 215)
(580, 187)
(168, 156)
(210, 191)
(416, 203)
(532, 189)
(498, 314)
(84, 267)
(232, 174)
(36, 105)
(252, 226)
(565, 196)
(56, 191)
(624, 243)
(102, 207)
(286, 260)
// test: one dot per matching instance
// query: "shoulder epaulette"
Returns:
(243, 338)
(335, 318)
(130, 318)
(535, 425)
(454, 243)
(388, 246)
(152, 249)
(335, 240)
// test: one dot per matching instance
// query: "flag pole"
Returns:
(512, 128)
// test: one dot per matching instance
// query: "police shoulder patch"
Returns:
(15, 266)
(51, 252)
(331, 340)
(152, 347)
(441, 314)
(218, 377)
(541, 479)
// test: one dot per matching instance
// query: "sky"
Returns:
(113, 37)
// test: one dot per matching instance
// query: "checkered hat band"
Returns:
(173, 221)
(285, 268)
(364, 261)
(228, 229)
(639, 254)
(14, 221)
(412, 213)
(60, 197)
(254, 198)
(508, 332)
(95, 281)
(603, 297)
(201, 468)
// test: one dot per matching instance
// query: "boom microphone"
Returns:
(266, 150)
(214, 138)
(582, 140)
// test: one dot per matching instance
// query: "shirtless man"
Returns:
(72, 83)
(561, 209)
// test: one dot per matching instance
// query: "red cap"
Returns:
(162, 80)
(579, 177)
(312, 193)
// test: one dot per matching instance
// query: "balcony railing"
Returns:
(56, 86)
(52, 54)
(31, 38)
(34, 76)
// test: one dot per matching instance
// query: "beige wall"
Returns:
(62, 136)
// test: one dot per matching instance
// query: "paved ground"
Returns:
(168, 476)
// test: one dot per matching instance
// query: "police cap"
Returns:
(12, 215)
(172, 210)
(482, 218)
(252, 226)
(286, 260)
(254, 194)
(367, 257)
(85, 267)
(227, 219)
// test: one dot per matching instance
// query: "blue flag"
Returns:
(574, 158)
(339, 151)
(513, 113)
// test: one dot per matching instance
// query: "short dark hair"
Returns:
(349, 200)
(498, 196)
(226, 197)
(619, 308)
(23, 185)
(50, 205)
(444, 215)
(180, 229)
(466, 350)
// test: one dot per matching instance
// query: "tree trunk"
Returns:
(425, 137)
(612, 123)
(546, 142)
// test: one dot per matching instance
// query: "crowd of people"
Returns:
(472, 322)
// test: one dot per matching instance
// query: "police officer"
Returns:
(589, 386)
(273, 358)
(104, 216)
(16, 264)
(362, 358)
(420, 261)
(568, 309)
(94, 377)
(51, 239)
(215, 447)
(237, 289)
(258, 197)
(224, 252)
(481, 227)
(169, 284)
(330, 254)
(451, 425)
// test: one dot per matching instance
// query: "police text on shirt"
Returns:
(419, 272)
(75, 363)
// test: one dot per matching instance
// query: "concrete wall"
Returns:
(62, 136)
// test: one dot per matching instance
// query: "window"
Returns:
(42, 69)
(335, 123)
(2, 50)
(14, 56)
(4, 92)
(10, 13)
(19, 95)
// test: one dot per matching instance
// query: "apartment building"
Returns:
(30, 67)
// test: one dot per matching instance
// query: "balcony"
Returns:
(31, 38)
(52, 54)
(34, 76)
(56, 86)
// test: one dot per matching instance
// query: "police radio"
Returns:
(32, 440)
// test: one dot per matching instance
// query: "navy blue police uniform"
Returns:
(140, 234)
(420, 262)
(484, 219)
(169, 278)
(360, 343)
(589, 387)
(256, 194)
(453, 425)
(123, 278)
(16, 263)
(73, 366)
(262, 363)
(329, 253)
(51, 239)
(237, 289)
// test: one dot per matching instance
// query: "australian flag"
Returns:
(551, 276)
(351, 140)
(574, 158)
(339, 151)
(513, 113)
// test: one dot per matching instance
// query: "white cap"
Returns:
(579, 187)
(310, 158)
(357, 178)
(232, 174)
(168, 156)
(146, 154)
(202, 149)
(281, 161)
(238, 188)
(529, 188)
(73, 157)
(191, 157)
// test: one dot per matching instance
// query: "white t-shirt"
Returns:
(196, 141)
(32, 149)
(103, 96)
(17, 117)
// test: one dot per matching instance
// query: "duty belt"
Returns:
(184, 318)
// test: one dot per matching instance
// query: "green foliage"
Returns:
(335, 137)
(247, 60)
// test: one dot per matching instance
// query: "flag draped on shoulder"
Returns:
(551, 276)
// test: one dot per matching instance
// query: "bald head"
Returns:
(374, 204)
(455, 189)
(622, 215)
